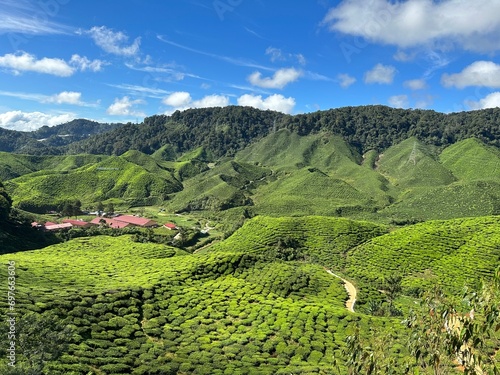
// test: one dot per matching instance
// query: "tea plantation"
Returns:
(259, 302)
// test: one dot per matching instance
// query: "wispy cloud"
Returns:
(230, 60)
(65, 97)
(114, 42)
(153, 92)
(164, 72)
(29, 17)
(382, 74)
(346, 80)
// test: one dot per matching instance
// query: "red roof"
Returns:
(58, 226)
(140, 221)
(50, 223)
(110, 222)
(170, 226)
(76, 223)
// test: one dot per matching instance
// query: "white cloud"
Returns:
(278, 81)
(490, 101)
(25, 62)
(182, 100)
(274, 102)
(346, 80)
(28, 121)
(211, 101)
(472, 25)
(383, 74)
(416, 84)
(399, 101)
(114, 42)
(479, 73)
(83, 63)
(125, 107)
(178, 99)
(66, 97)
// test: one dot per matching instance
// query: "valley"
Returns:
(308, 244)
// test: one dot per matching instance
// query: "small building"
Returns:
(112, 223)
(138, 221)
(78, 223)
(170, 226)
(55, 227)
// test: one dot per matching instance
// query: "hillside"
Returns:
(259, 302)
(224, 131)
(48, 140)
(282, 174)
(132, 178)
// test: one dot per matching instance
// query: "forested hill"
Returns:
(47, 140)
(223, 131)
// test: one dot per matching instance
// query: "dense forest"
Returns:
(224, 131)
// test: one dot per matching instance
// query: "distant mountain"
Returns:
(49, 139)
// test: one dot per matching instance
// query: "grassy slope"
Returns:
(113, 177)
(453, 254)
(214, 313)
(232, 308)
(472, 160)
(476, 191)
(340, 178)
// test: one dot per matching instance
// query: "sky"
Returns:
(120, 61)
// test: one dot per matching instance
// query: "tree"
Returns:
(100, 207)
(41, 338)
(110, 209)
(393, 288)
(68, 209)
(5, 203)
(444, 333)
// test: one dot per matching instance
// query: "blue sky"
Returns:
(119, 61)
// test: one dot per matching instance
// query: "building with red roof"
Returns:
(112, 223)
(134, 220)
(78, 223)
(55, 227)
(170, 226)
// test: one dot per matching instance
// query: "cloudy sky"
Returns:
(119, 61)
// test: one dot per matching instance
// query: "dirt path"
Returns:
(351, 290)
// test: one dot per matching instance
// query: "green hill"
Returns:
(113, 177)
(453, 254)
(225, 186)
(143, 308)
(472, 160)
(412, 164)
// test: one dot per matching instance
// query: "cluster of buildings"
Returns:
(118, 222)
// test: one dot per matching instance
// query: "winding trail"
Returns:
(351, 290)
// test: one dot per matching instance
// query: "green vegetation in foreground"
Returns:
(259, 302)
